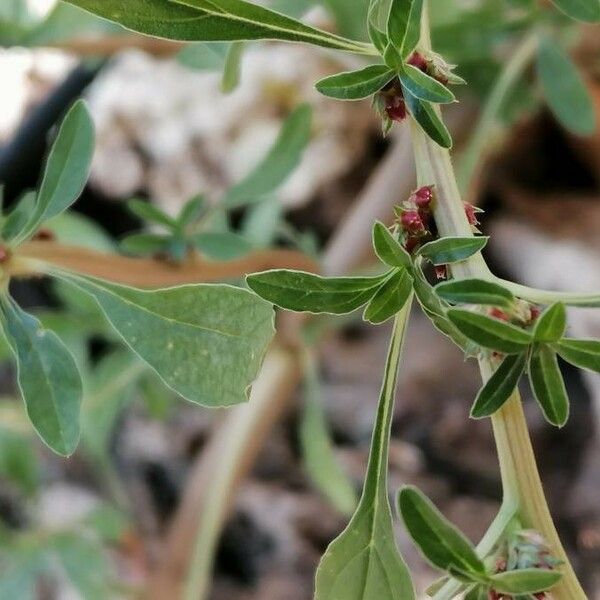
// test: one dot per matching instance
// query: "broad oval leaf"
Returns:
(552, 324)
(307, 292)
(388, 248)
(425, 87)
(404, 25)
(283, 157)
(475, 291)
(581, 353)
(356, 85)
(48, 378)
(205, 341)
(214, 20)
(67, 168)
(490, 333)
(390, 298)
(565, 89)
(440, 542)
(525, 581)
(582, 10)
(363, 563)
(448, 250)
(427, 118)
(500, 386)
(548, 385)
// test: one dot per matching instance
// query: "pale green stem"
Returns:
(482, 138)
(521, 482)
(585, 300)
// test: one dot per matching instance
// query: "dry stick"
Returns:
(231, 451)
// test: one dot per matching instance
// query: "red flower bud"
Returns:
(4, 253)
(499, 314)
(471, 214)
(395, 108)
(441, 271)
(418, 60)
(411, 221)
(424, 196)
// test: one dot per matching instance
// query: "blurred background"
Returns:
(269, 485)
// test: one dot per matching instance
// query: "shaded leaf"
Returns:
(548, 386)
(390, 298)
(150, 213)
(581, 353)
(388, 248)
(222, 246)
(448, 250)
(475, 291)
(404, 25)
(500, 386)
(424, 87)
(525, 581)
(427, 118)
(440, 542)
(552, 324)
(231, 68)
(490, 333)
(582, 10)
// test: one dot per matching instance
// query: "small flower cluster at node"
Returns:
(414, 217)
(435, 66)
(390, 105)
(5, 254)
(472, 212)
(525, 549)
(522, 313)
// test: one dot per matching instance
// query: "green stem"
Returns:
(585, 300)
(520, 478)
(479, 143)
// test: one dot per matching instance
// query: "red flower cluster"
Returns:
(414, 217)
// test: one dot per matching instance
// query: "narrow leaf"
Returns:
(427, 118)
(150, 213)
(490, 333)
(404, 25)
(283, 157)
(67, 168)
(388, 248)
(449, 250)
(425, 87)
(48, 378)
(222, 246)
(475, 291)
(363, 563)
(214, 20)
(582, 10)
(231, 68)
(548, 386)
(306, 292)
(356, 85)
(525, 581)
(552, 324)
(317, 447)
(500, 386)
(440, 542)
(564, 89)
(581, 353)
(206, 342)
(390, 298)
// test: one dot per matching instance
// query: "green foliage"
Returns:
(564, 88)
(525, 581)
(581, 353)
(363, 563)
(389, 298)
(552, 324)
(475, 291)
(548, 385)
(424, 87)
(356, 85)
(448, 250)
(582, 10)
(404, 25)
(388, 248)
(429, 120)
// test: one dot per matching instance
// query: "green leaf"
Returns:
(478, 592)
(379, 14)
(317, 447)
(231, 68)
(475, 291)
(222, 246)
(206, 342)
(390, 298)
(448, 250)
(440, 542)
(278, 164)
(213, 21)
(525, 581)
(581, 353)
(564, 89)
(18, 217)
(150, 213)
(552, 324)
(356, 85)
(306, 292)
(548, 385)
(404, 25)
(500, 386)
(425, 87)
(67, 168)
(388, 248)
(363, 563)
(427, 118)
(490, 333)
(582, 10)
(145, 243)
(48, 378)
(204, 56)
(193, 209)
(18, 460)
